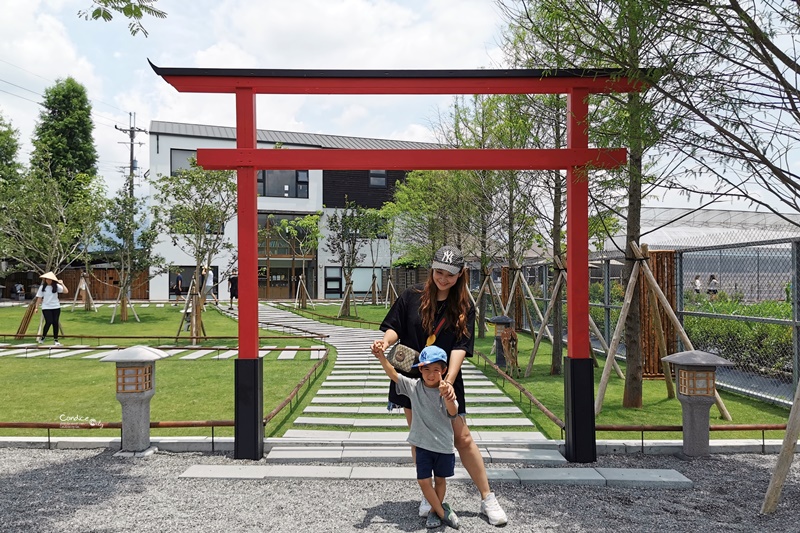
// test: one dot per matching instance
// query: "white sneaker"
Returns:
(39, 340)
(56, 343)
(424, 507)
(491, 508)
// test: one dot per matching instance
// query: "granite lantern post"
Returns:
(501, 322)
(695, 372)
(135, 387)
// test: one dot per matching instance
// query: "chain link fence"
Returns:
(738, 301)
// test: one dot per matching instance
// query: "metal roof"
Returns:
(310, 140)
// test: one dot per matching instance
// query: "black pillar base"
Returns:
(581, 442)
(248, 428)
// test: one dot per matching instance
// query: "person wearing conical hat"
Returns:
(48, 293)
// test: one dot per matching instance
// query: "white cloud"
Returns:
(44, 40)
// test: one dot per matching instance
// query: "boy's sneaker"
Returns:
(433, 521)
(56, 343)
(39, 340)
(424, 507)
(491, 508)
(450, 517)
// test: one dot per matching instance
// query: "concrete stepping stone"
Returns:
(106, 349)
(264, 350)
(70, 353)
(226, 354)
(644, 477)
(197, 354)
(289, 353)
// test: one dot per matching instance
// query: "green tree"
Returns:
(133, 10)
(302, 235)
(375, 230)
(41, 230)
(9, 149)
(344, 243)
(600, 33)
(192, 208)
(127, 244)
(63, 146)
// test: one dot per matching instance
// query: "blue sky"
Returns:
(44, 40)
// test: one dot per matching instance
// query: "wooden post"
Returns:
(784, 458)
(615, 339)
(547, 312)
(674, 318)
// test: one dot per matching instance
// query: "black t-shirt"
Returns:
(404, 318)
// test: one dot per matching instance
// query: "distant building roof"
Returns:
(311, 140)
(686, 228)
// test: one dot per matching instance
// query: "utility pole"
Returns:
(131, 131)
(129, 240)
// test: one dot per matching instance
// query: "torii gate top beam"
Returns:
(494, 81)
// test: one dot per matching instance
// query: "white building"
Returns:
(281, 194)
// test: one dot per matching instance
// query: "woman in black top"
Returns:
(412, 320)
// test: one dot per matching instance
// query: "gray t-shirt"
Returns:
(431, 428)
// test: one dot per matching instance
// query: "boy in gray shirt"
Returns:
(434, 405)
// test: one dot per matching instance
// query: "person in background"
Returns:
(48, 293)
(713, 286)
(233, 286)
(178, 288)
(697, 285)
(208, 285)
(441, 313)
(435, 405)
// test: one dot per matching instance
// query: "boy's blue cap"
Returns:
(431, 354)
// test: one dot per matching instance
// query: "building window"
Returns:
(282, 183)
(179, 160)
(377, 178)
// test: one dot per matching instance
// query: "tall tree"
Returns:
(192, 208)
(63, 146)
(9, 149)
(302, 235)
(133, 10)
(41, 230)
(344, 243)
(604, 33)
(733, 72)
(128, 243)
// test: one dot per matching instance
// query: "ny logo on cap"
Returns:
(448, 256)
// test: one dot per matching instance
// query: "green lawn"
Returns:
(44, 390)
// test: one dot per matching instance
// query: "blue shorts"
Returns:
(441, 464)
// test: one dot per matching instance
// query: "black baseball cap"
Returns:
(448, 258)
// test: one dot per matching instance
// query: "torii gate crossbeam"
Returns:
(247, 160)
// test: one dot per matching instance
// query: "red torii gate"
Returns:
(247, 160)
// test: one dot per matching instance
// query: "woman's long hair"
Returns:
(456, 307)
(51, 285)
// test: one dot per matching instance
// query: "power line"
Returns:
(131, 131)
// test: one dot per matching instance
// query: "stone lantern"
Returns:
(135, 387)
(501, 322)
(695, 372)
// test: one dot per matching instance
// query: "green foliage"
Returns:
(40, 228)
(756, 346)
(302, 234)
(424, 209)
(129, 239)
(133, 10)
(192, 208)
(63, 146)
(346, 228)
(9, 148)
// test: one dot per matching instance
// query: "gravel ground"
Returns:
(92, 491)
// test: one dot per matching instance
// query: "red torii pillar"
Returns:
(246, 83)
